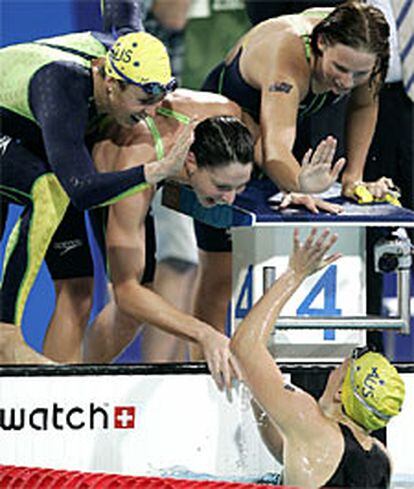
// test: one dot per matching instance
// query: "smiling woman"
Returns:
(218, 179)
(355, 44)
(291, 67)
(342, 68)
(137, 74)
(50, 97)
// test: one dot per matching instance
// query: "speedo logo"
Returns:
(56, 417)
(4, 142)
(65, 246)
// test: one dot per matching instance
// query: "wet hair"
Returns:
(221, 140)
(361, 27)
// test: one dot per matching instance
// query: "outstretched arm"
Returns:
(126, 252)
(361, 119)
(283, 84)
(285, 406)
(63, 131)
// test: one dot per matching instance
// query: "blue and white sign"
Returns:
(339, 290)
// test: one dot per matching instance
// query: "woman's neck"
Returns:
(342, 418)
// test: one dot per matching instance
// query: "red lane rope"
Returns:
(12, 477)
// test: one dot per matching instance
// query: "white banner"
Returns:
(138, 425)
(168, 425)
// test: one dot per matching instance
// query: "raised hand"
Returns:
(174, 161)
(316, 174)
(171, 164)
(309, 257)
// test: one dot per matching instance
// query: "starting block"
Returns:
(326, 318)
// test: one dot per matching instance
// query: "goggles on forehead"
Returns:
(150, 88)
(359, 351)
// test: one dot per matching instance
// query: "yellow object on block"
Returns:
(366, 197)
(363, 194)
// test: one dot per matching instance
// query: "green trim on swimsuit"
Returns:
(318, 99)
(127, 193)
(50, 202)
(307, 45)
(184, 119)
(156, 136)
(309, 108)
(149, 121)
(312, 12)
(321, 102)
(9, 195)
(11, 189)
(221, 80)
(10, 246)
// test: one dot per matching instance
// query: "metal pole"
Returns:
(341, 323)
(403, 294)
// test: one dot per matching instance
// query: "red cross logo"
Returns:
(124, 417)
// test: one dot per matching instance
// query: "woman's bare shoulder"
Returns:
(199, 104)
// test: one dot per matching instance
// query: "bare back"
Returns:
(272, 42)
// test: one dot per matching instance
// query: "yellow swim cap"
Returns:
(139, 58)
(373, 391)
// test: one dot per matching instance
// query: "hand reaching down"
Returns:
(221, 363)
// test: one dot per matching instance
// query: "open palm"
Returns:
(317, 174)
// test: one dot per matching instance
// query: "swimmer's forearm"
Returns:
(360, 127)
(278, 129)
(284, 172)
(144, 305)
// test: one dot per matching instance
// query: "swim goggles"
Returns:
(150, 88)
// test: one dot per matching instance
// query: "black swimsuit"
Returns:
(360, 468)
(45, 162)
(227, 80)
